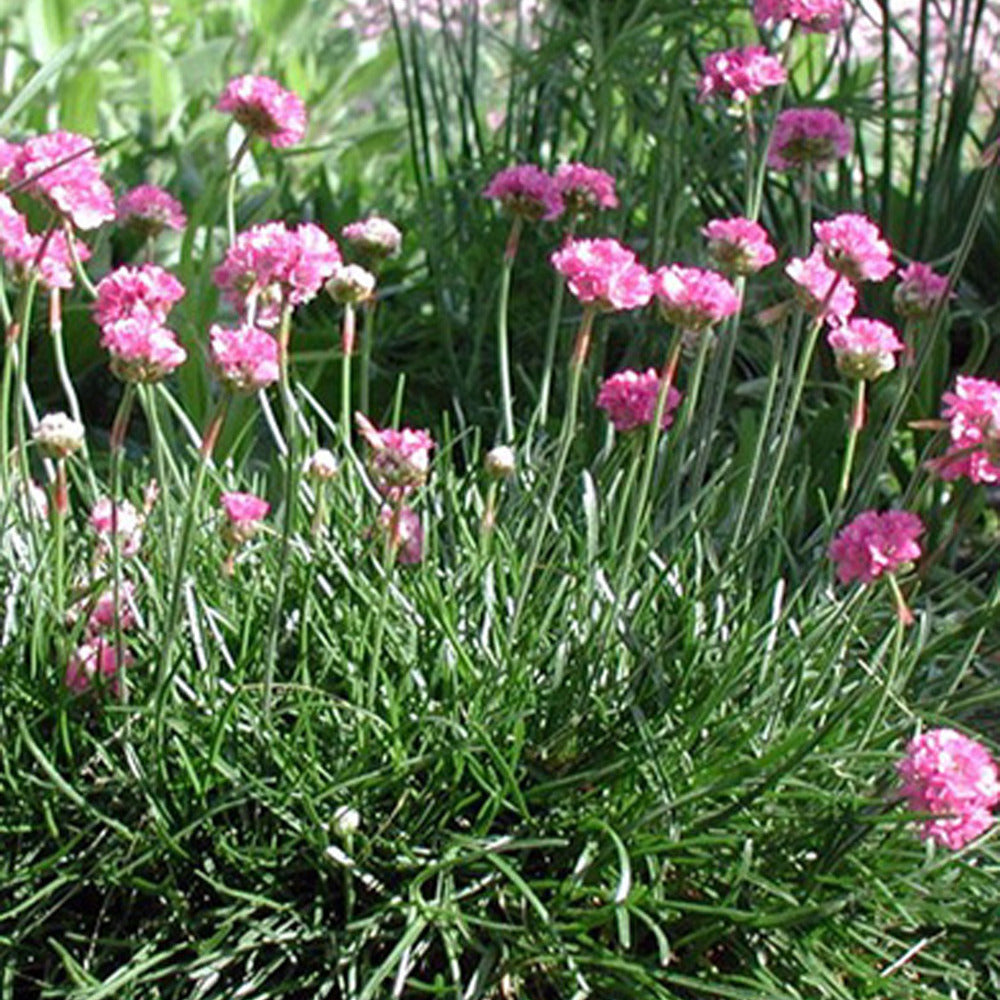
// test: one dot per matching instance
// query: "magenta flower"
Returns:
(527, 191)
(150, 210)
(242, 509)
(399, 461)
(147, 291)
(102, 615)
(739, 245)
(129, 527)
(864, 348)
(604, 273)
(812, 136)
(262, 106)
(63, 170)
(585, 189)
(373, 237)
(954, 779)
(740, 74)
(629, 399)
(820, 290)
(405, 534)
(95, 662)
(973, 412)
(874, 543)
(853, 246)
(141, 349)
(54, 269)
(819, 16)
(919, 291)
(693, 298)
(245, 359)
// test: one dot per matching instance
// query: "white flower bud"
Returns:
(58, 435)
(500, 462)
(345, 821)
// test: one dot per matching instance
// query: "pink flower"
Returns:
(693, 298)
(400, 459)
(954, 778)
(61, 167)
(9, 152)
(820, 290)
(739, 245)
(527, 191)
(864, 348)
(375, 237)
(246, 359)
(145, 292)
(853, 246)
(874, 543)
(603, 272)
(13, 226)
(821, 16)
(973, 411)
(129, 526)
(141, 349)
(95, 661)
(102, 614)
(150, 209)
(919, 291)
(261, 105)
(404, 531)
(629, 399)
(740, 74)
(20, 250)
(271, 265)
(811, 136)
(244, 514)
(585, 189)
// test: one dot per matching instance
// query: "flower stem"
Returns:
(857, 423)
(231, 187)
(388, 563)
(503, 345)
(347, 352)
(60, 507)
(552, 338)
(119, 427)
(367, 338)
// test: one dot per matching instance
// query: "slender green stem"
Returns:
(367, 341)
(388, 564)
(117, 446)
(857, 423)
(488, 521)
(148, 401)
(552, 338)
(503, 344)
(686, 416)
(231, 187)
(74, 257)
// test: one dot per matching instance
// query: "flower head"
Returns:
(244, 513)
(121, 519)
(402, 527)
(350, 284)
(919, 291)
(864, 348)
(8, 159)
(501, 462)
(149, 209)
(141, 349)
(245, 359)
(322, 465)
(955, 780)
(103, 615)
(58, 436)
(147, 291)
(811, 136)
(973, 413)
(527, 191)
(853, 246)
(97, 662)
(374, 237)
(740, 74)
(629, 399)
(693, 298)
(27, 255)
(262, 106)
(399, 460)
(820, 290)
(585, 189)
(874, 543)
(603, 272)
(819, 16)
(739, 245)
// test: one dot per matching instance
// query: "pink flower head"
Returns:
(399, 461)
(527, 191)
(853, 246)
(244, 513)
(13, 227)
(739, 245)
(585, 189)
(150, 210)
(820, 290)
(62, 168)
(262, 106)
(129, 525)
(271, 265)
(141, 349)
(629, 399)
(874, 543)
(402, 527)
(811, 136)
(95, 662)
(919, 291)
(373, 237)
(20, 250)
(864, 348)
(144, 292)
(245, 359)
(820, 16)
(973, 411)
(693, 298)
(603, 272)
(740, 74)
(9, 153)
(102, 614)
(954, 779)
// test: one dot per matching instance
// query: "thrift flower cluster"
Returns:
(739, 245)
(529, 192)
(818, 16)
(693, 298)
(740, 74)
(629, 399)
(244, 358)
(864, 348)
(874, 543)
(973, 413)
(263, 107)
(150, 210)
(812, 137)
(604, 273)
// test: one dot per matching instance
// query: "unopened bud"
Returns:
(351, 284)
(500, 462)
(58, 435)
(322, 465)
(345, 821)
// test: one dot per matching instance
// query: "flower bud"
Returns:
(351, 284)
(322, 465)
(58, 435)
(345, 821)
(501, 462)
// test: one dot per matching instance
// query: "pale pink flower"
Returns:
(136, 292)
(322, 465)
(8, 159)
(629, 399)
(58, 435)
(402, 527)
(150, 210)
(13, 227)
(95, 662)
(527, 191)
(141, 349)
(62, 168)
(853, 246)
(820, 290)
(864, 348)
(374, 237)
(53, 269)
(603, 272)
(955, 780)
(973, 412)
(874, 543)
(350, 284)
(244, 512)
(585, 189)
(693, 298)
(262, 106)
(245, 359)
(739, 245)
(740, 74)
(919, 291)
(102, 614)
(813, 136)
(129, 526)
(820, 16)
(399, 461)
